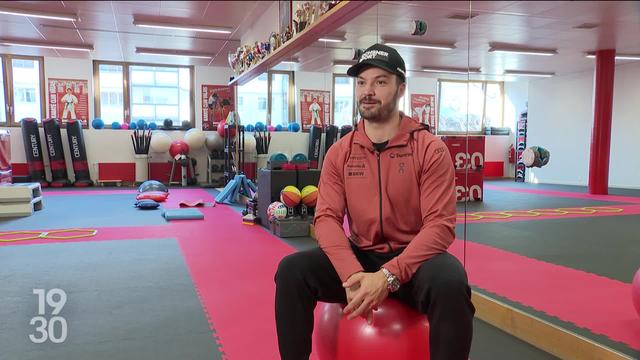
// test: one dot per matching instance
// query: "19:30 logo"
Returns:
(55, 328)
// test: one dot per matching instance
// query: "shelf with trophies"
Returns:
(312, 20)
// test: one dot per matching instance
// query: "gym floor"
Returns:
(144, 288)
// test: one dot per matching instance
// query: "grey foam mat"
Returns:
(606, 246)
(126, 299)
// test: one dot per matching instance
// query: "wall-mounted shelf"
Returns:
(339, 15)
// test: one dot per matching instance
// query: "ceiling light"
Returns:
(332, 39)
(445, 70)
(292, 61)
(170, 52)
(42, 45)
(421, 45)
(200, 28)
(39, 14)
(592, 55)
(344, 63)
(529, 73)
(523, 51)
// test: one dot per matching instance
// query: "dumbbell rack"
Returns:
(233, 152)
(521, 145)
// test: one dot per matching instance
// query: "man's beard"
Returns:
(379, 113)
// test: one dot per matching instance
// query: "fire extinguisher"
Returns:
(512, 154)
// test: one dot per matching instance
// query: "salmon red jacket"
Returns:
(400, 198)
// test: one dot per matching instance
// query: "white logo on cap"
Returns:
(372, 54)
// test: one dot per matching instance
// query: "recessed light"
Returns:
(43, 45)
(432, 46)
(39, 14)
(171, 52)
(523, 51)
(529, 73)
(169, 26)
(449, 70)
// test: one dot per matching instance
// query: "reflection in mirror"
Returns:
(553, 102)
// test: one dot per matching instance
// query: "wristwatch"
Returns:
(393, 284)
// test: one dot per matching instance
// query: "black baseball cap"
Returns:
(381, 56)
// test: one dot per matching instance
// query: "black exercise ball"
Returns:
(168, 123)
(186, 124)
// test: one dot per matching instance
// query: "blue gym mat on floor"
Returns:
(88, 211)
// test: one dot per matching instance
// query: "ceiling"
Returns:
(108, 26)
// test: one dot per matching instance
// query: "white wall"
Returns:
(561, 120)
(115, 145)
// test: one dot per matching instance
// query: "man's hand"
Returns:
(365, 291)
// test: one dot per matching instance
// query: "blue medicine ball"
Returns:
(278, 127)
(294, 127)
(142, 124)
(133, 125)
(115, 125)
(260, 126)
(152, 126)
(97, 123)
(278, 157)
(249, 128)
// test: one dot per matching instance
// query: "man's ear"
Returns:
(401, 89)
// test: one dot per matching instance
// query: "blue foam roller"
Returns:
(183, 214)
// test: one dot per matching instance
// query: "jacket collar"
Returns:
(407, 127)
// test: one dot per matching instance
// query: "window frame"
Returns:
(126, 88)
(484, 104)
(291, 100)
(333, 98)
(7, 73)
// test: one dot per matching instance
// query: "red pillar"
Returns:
(601, 133)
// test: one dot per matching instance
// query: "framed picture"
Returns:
(315, 108)
(69, 99)
(217, 102)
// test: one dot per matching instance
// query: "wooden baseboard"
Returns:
(540, 333)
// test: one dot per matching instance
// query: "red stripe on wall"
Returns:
(117, 171)
(20, 169)
(493, 168)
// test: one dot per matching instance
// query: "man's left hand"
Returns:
(373, 290)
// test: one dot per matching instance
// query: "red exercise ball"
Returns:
(232, 130)
(397, 332)
(635, 291)
(178, 147)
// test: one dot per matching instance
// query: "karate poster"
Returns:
(315, 108)
(423, 109)
(217, 102)
(69, 99)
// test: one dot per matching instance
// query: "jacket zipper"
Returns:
(380, 197)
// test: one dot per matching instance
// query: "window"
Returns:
(343, 100)
(281, 98)
(252, 100)
(3, 111)
(154, 93)
(267, 98)
(485, 106)
(111, 80)
(21, 95)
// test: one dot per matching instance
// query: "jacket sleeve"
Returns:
(438, 209)
(330, 211)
